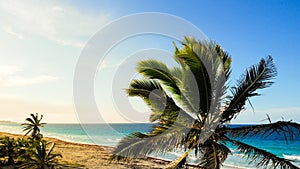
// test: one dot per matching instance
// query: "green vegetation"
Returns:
(40, 156)
(191, 109)
(29, 152)
(33, 126)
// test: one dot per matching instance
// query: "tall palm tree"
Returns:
(192, 111)
(33, 126)
(39, 156)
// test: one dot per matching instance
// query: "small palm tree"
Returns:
(191, 110)
(33, 126)
(39, 156)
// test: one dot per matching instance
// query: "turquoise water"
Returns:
(111, 134)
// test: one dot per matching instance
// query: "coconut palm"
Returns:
(33, 126)
(41, 156)
(191, 109)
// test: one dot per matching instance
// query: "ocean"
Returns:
(111, 134)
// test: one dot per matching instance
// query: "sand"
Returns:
(86, 156)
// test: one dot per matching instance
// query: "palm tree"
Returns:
(39, 156)
(33, 126)
(191, 110)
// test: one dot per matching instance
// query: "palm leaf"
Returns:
(170, 82)
(194, 63)
(161, 139)
(213, 155)
(257, 77)
(162, 106)
(261, 157)
(154, 69)
(287, 129)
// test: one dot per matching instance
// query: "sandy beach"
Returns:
(87, 156)
(94, 156)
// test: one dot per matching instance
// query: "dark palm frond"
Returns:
(226, 60)
(51, 156)
(257, 77)
(40, 156)
(194, 62)
(261, 157)
(210, 67)
(163, 107)
(286, 129)
(138, 145)
(161, 139)
(143, 88)
(154, 69)
(213, 154)
(170, 80)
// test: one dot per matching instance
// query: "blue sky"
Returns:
(41, 42)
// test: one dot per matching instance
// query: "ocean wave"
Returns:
(292, 157)
(239, 155)
(178, 154)
(11, 129)
(230, 166)
(114, 140)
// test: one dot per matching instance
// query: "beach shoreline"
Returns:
(94, 156)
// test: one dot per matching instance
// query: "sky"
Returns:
(41, 42)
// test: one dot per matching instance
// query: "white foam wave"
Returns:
(176, 154)
(113, 140)
(11, 129)
(292, 157)
(239, 155)
(230, 166)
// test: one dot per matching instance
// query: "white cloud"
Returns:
(12, 32)
(6, 70)
(9, 77)
(54, 21)
(24, 81)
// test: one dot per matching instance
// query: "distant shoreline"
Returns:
(7, 121)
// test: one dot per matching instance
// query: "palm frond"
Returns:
(31, 121)
(162, 106)
(257, 77)
(194, 62)
(226, 60)
(261, 157)
(154, 69)
(143, 88)
(213, 155)
(170, 82)
(286, 129)
(161, 139)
